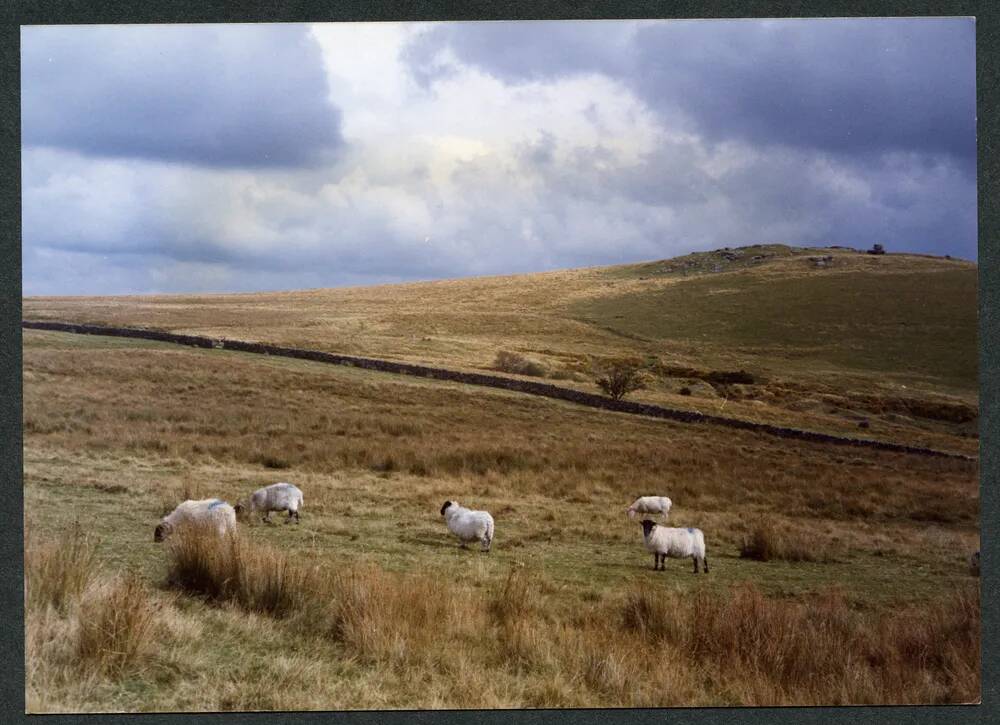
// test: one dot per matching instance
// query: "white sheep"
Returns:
(276, 497)
(664, 541)
(210, 512)
(468, 525)
(650, 505)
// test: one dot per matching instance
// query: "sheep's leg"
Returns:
(290, 514)
(704, 564)
(695, 560)
(266, 518)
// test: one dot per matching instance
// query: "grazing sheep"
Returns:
(276, 497)
(974, 564)
(675, 543)
(650, 505)
(468, 525)
(210, 511)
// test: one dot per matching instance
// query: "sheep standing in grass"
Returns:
(210, 512)
(276, 497)
(468, 525)
(650, 505)
(663, 541)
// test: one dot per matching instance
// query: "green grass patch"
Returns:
(923, 323)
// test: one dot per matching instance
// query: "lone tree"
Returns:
(621, 377)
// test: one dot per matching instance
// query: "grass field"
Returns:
(866, 596)
(118, 432)
(888, 340)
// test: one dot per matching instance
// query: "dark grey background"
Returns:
(109, 11)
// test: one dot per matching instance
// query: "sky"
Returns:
(243, 157)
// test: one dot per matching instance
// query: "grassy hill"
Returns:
(834, 338)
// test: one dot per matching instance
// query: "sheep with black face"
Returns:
(211, 512)
(468, 525)
(664, 541)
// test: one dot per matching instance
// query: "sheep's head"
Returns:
(161, 531)
(647, 526)
(446, 505)
(240, 508)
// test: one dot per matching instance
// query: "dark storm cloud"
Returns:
(523, 50)
(841, 86)
(238, 95)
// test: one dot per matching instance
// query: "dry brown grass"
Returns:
(819, 651)
(370, 604)
(462, 323)
(446, 645)
(259, 578)
(57, 572)
(83, 629)
(811, 651)
(516, 364)
(116, 626)
(401, 620)
(765, 540)
(212, 408)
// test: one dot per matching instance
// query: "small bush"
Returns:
(511, 362)
(116, 626)
(57, 572)
(621, 377)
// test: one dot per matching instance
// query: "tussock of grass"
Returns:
(82, 630)
(766, 541)
(116, 626)
(57, 572)
(400, 620)
(257, 577)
